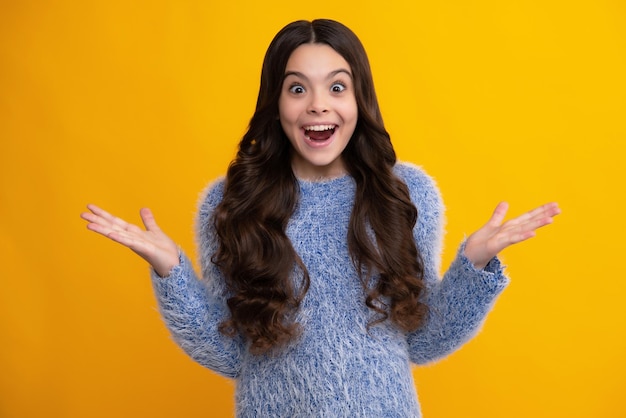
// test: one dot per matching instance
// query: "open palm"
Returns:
(151, 244)
(495, 235)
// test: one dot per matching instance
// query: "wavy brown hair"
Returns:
(266, 277)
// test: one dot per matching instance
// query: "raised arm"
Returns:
(495, 236)
(192, 309)
(150, 244)
(459, 303)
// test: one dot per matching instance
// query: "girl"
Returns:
(319, 251)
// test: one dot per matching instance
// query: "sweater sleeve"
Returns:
(460, 301)
(193, 308)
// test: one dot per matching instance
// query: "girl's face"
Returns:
(317, 110)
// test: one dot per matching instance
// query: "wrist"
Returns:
(478, 261)
(164, 267)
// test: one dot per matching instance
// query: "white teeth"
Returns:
(319, 128)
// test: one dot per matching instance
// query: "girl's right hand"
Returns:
(152, 244)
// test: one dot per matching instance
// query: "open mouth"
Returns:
(319, 133)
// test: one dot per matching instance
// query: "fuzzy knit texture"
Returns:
(336, 367)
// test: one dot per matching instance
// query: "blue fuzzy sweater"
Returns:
(336, 367)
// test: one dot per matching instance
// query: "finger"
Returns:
(128, 239)
(104, 223)
(93, 215)
(540, 213)
(148, 220)
(97, 220)
(498, 214)
(552, 209)
(547, 210)
(113, 220)
(514, 233)
(101, 229)
(96, 210)
(542, 216)
(90, 217)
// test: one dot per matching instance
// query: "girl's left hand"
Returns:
(495, 236)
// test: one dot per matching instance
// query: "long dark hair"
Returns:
(261, 192)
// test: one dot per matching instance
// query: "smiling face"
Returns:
(317, 110)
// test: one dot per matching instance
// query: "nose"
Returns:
(318, 104)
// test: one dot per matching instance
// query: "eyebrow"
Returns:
(330, 75)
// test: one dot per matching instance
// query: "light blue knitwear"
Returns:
(336, 368)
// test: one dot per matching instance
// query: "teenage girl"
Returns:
(319, 251)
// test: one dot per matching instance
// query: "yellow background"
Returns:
(141, 103)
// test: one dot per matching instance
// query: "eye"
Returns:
(296, 89)
(337, 87)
